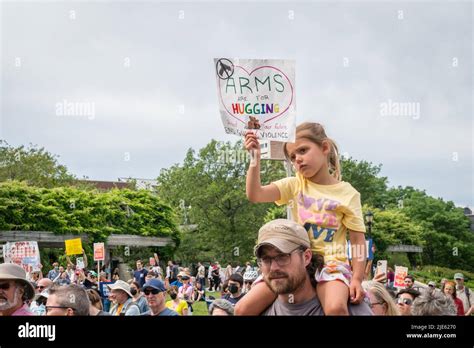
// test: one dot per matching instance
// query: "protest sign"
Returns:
(25, 254)
(257, 94)
(400, 274)
(80, 263)
(73, 246)
(99, 252)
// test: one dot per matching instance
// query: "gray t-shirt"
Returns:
(310, 307)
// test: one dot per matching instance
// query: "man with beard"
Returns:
(284, 255)
(15, 290)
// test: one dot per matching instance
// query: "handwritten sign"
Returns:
(25, 254)
(80, 263)
(99, 252)
(73, 246)
(257, 94)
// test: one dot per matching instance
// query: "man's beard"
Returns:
(286, 283)
(5, 304)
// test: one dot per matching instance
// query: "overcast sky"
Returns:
(147, 68)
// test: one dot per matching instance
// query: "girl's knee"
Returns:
(336, 308)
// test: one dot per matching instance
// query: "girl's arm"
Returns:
(259, 298)
(257, 193)
(358, 265)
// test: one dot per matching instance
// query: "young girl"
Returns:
(327, 207)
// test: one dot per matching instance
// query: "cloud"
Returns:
(148, 70)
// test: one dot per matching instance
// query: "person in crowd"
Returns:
(405, 298)
(124, 305)
(409, 281)
(450, 291)
(199, 294)
(433, 302)
(103, 277)
(15, 291)
(150, 275)
(249, 278)
(284, 255)
(116, 274)
(140, 273)
(185, 291)
(43, 284)
(71, 272)
(248, 267)
(209, 276)
(138, 297)
(390, 277)
(62, 278)
(176, 304)
(95, 307)
(464, 294)
(221, 307)
(38, 306)
(34, 277)
(53, 273)
(179, 280)
(155, 293)
(432, 285)
(380, 300)
(156, 267)
(216, 277)
(90, 281)
(201, 275)
(317, 186)
(228, 272)
(235, 286)
(67, 300)
(441, 283)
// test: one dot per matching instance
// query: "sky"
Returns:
(145, 69)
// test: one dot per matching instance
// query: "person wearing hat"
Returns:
(15, 290)
(124, 299)
(464, 294)
(155, 294)
(185, 290)
(284, 255)
(221, 307)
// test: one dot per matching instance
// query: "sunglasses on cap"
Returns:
(149, 291)
(405, 301)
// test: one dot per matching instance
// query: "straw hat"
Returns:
(10, 271)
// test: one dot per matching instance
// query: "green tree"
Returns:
(364, 177)
(212, 183)
(34, 165)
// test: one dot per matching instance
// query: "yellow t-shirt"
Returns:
(177, 308)
(325, 211)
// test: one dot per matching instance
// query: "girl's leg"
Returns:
(333, 296)
(259, 298)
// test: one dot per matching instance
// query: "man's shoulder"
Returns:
(168, 312)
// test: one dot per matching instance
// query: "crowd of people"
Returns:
(286, 266)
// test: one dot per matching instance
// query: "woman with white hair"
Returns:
(381, 302)
(221, 307)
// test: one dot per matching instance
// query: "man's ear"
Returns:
(69, 312)
(307, 255)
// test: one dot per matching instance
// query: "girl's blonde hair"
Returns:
(315, 133)
(382, 295)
